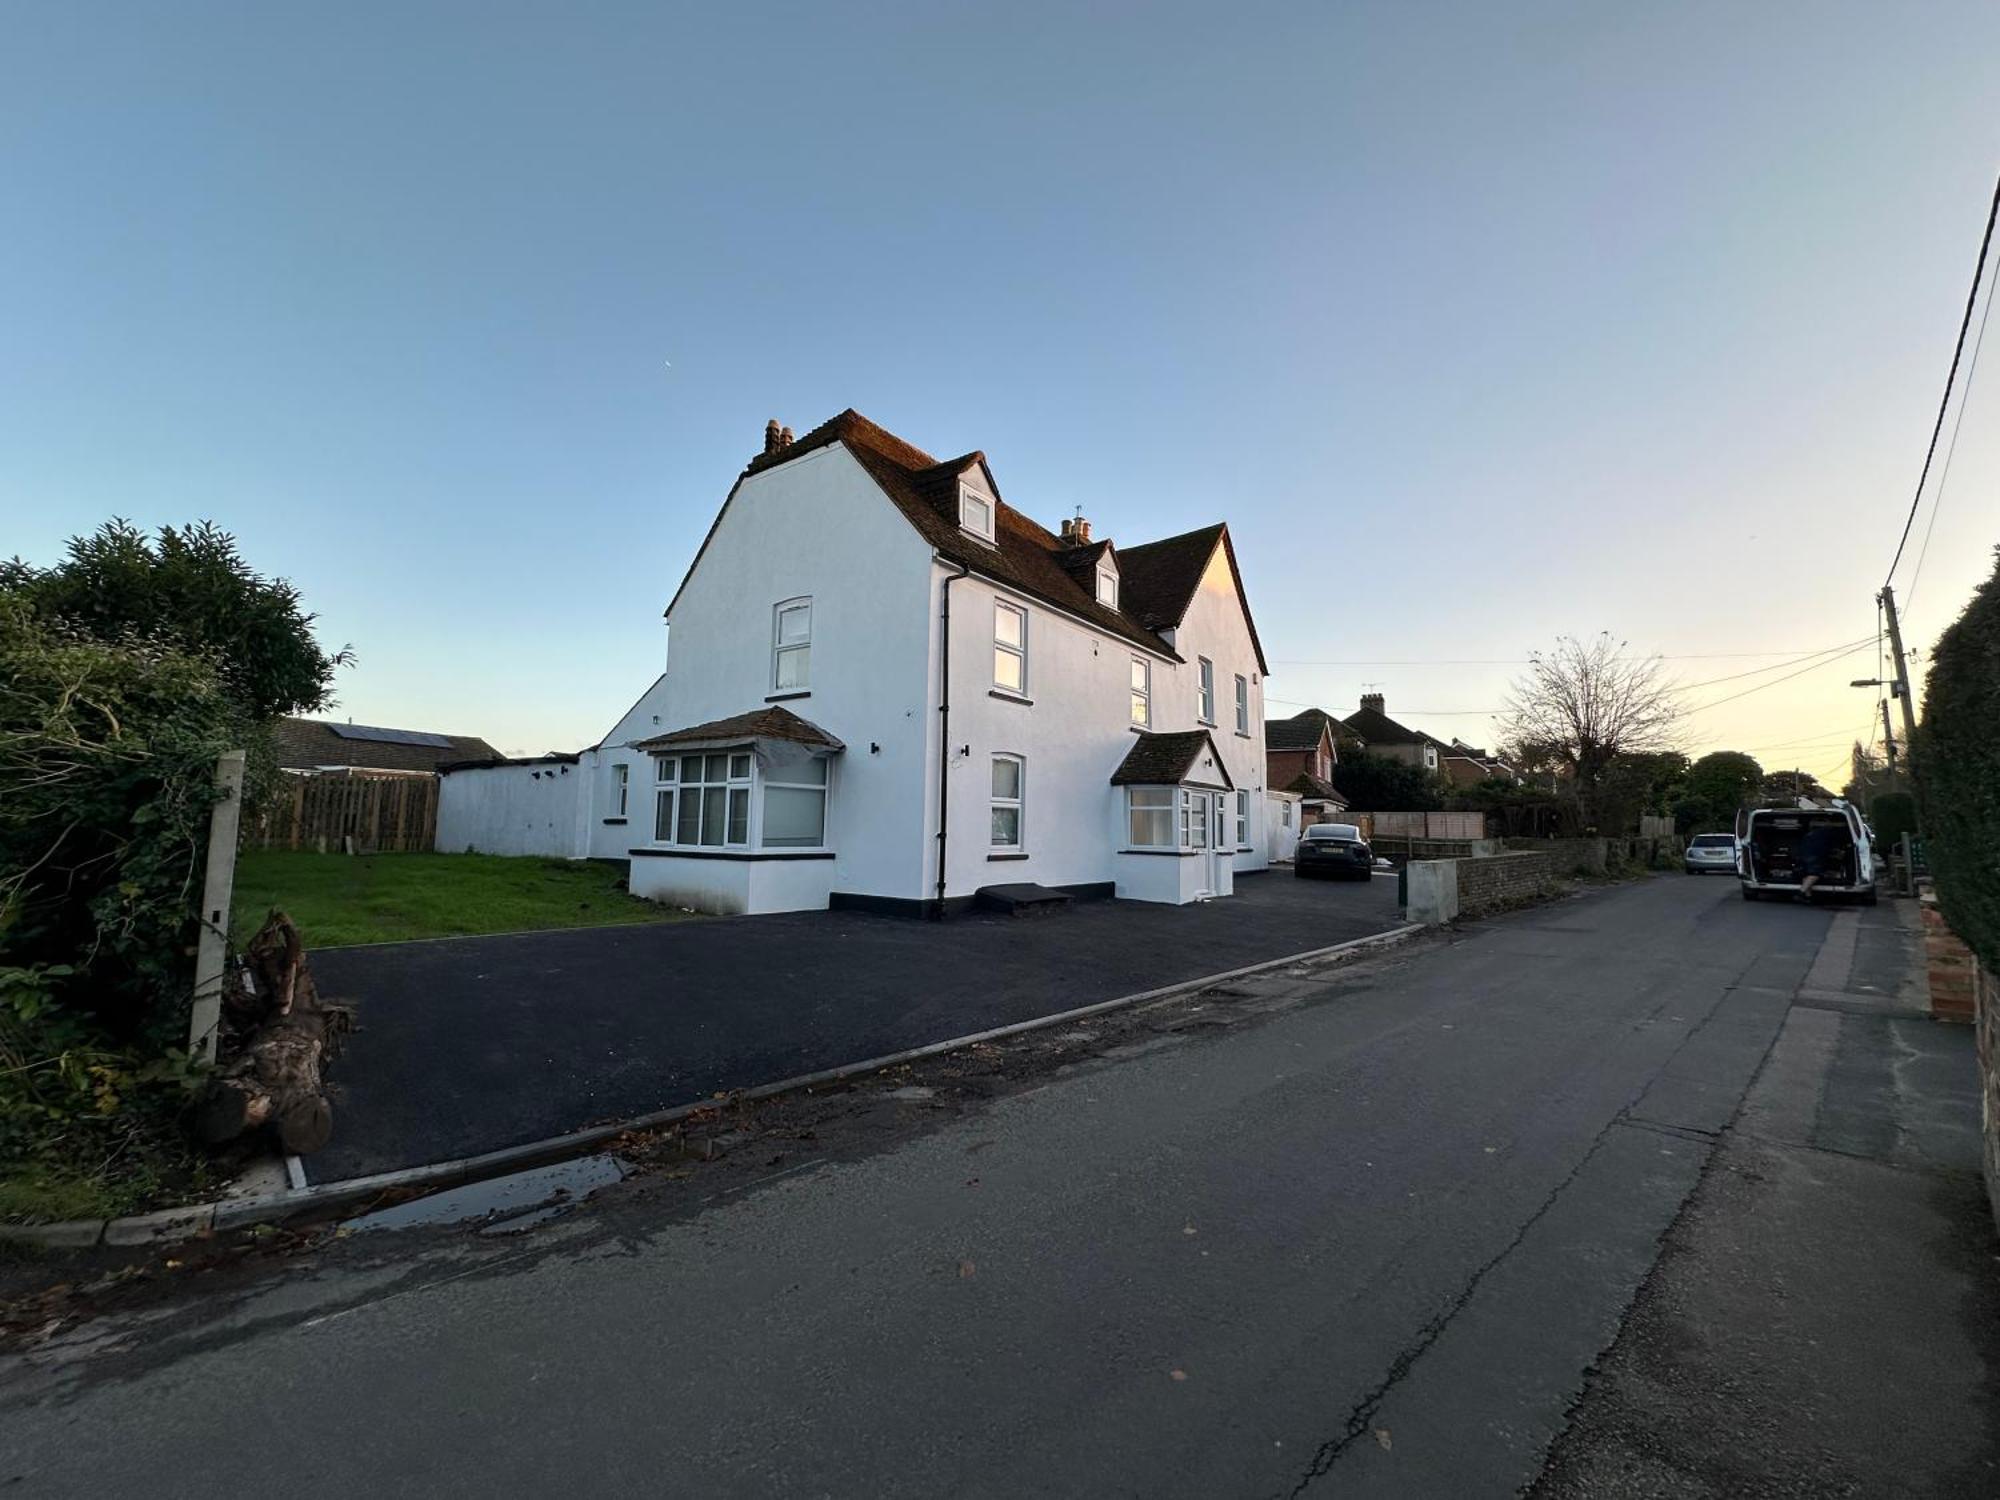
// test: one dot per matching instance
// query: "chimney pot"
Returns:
(1068, 532)
(771, 441)
(1082, 532)
(784, 437)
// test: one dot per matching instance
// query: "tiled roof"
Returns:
(1308, 785)
(1296, 733)
(1023, 555)
(1166, 759)
(759, 724)
(1157, 580)
(1377, 728)
(306, 744)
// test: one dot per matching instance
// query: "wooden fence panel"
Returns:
(381, 814)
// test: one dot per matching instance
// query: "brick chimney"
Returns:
(773, 439)
(1371, 700)
(1075, 532)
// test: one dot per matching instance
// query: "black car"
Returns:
(1334, 849)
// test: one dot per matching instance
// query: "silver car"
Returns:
(1711, 853)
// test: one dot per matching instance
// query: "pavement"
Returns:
(1371, 1242)
(467, 1045)
(1825, 1319)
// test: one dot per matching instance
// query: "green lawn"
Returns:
(383, 898)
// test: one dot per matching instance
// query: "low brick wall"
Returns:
(1570, 856)
(1949, 967)
(1503, 880)
(1442, 889)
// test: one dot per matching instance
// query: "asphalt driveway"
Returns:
(467, 1045)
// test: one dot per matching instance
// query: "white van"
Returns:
(1777, 845)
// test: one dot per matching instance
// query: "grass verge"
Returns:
(384, 898)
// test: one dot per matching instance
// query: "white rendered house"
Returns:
(886, 688)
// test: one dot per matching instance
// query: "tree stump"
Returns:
(278, 1036)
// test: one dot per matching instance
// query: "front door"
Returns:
(1201, 819)
(1222, 849)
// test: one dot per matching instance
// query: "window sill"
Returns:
(1009, 697)
(614, 822)
(1243, 734)
(1204, 723)
(668, 851)
(1006, 856)
(1167, 853)
(1141, 728)
(787, 697)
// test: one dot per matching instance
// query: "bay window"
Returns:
(795, 805)
(1150, 811)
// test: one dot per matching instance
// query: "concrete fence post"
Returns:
(218, 889)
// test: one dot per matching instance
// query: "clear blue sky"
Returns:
(1477, 322)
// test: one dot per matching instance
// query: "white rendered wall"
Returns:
(1284, 838)
(1214, 627)
(816, 526)
(1078, 728)
(510, 810)
(728, 887)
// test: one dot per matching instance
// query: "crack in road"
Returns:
(1361, 1416)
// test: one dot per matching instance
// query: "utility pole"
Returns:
(1888, 739)
(1901, 686)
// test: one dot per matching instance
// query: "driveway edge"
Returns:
(167, 1225)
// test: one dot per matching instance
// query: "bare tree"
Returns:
(1583, 704)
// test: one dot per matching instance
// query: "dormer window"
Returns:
(975, 513)
(1107, 588)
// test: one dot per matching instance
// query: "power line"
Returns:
(1522, 661)
(1775, 666)
(1950, 449)
(1958, 349)
(1813, 667)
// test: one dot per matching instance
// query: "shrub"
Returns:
(1956, 764)
(1892, 814)
(107, 754)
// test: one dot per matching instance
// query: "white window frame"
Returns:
(1204, 691)
(621, 787)
(780, 647)
(971, 500)
(1285, 813)
(824, 786)
(1242, 705)
(1107, 588)
(1165, 807)
(1242, 816)
(739, 776)
(1019, 802)
(1019, 653)
(1140, 683)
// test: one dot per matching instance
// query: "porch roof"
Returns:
(759, 724)
(1166, 759)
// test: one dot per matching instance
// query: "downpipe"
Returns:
(944, 735)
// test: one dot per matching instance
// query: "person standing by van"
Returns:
(1818, 850)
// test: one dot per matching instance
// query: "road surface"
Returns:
(1369, 1244)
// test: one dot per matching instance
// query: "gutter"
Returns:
(944, 731)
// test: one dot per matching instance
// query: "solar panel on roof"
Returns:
(390, 736)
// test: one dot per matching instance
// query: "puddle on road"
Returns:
(507, 1204)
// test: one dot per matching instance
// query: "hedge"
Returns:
(1956, 761)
